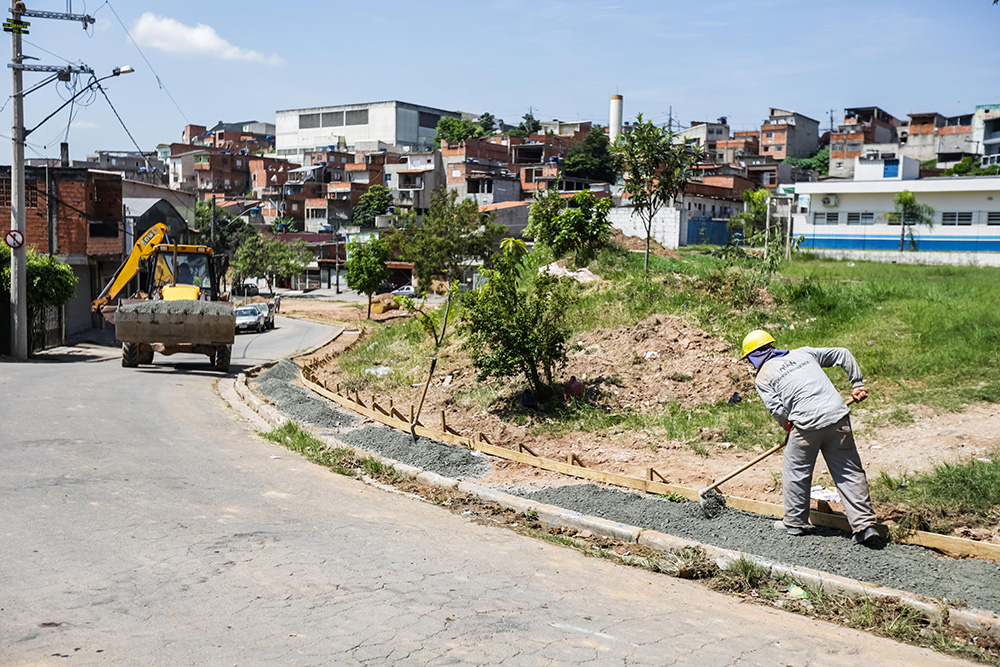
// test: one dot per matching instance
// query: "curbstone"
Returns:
(434, 479)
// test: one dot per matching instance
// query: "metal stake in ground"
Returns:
(416, 418)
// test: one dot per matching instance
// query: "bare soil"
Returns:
(636, 244)
(662, 360)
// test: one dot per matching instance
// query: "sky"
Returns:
(202, 62)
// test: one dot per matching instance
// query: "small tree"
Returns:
(656, 168)
(266, 256)
(528, 125)
(488, 122)
(512, 330)
(591, 158)
(455, 130)
(907, 214)
(366, 267)
(578, 225)
(820, 162)
(376, 201)
(50, 284)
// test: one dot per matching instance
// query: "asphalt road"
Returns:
(143, 524)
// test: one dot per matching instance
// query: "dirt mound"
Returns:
(637, 244)
(660, 360)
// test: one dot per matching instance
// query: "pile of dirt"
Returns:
(662, 359)
(636, 244)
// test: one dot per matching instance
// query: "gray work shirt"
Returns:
(795, 388)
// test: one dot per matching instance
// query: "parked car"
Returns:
(267, 312)
(405, 290)
(384, 288)
(249, 318)
(246, 289)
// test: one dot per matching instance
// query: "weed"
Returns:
(741, 576)
(292, 436)
(698, 448)
(531, 515)
(375, 468)
(687, 563)
(680, 377)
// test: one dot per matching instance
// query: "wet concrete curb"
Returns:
(973, 621)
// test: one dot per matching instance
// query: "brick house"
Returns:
(82, 227)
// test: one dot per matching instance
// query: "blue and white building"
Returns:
(852, 214)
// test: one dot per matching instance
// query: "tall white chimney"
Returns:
(615, 126)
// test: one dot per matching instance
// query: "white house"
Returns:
(852, 214)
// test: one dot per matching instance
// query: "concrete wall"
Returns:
(668, 228)
(896, 257)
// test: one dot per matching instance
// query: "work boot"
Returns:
(791, 530)
(869, 536)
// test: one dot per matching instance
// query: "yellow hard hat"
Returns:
(755, 340)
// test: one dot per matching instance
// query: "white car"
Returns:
(405, 290)
(249, 318)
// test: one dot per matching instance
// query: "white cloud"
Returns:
(166, 34)
(84, 125)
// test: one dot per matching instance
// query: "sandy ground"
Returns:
(661, 360)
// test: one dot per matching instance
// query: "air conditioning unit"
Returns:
(830, 200)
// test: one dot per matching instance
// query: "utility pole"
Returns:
(18, 256)
(213, 222)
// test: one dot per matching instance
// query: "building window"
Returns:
(826, 218)
(956, 218)
(853, 148)
(838, 164)
(993, 218)
(769, 135)
(428, 120)
(359, 117)
(30, 193)
(308, 121)
(867, 218)
(837, 148)
(854, 218)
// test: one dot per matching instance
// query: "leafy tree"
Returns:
(50, 284)
(656, 169)
(820, 162)
(579, 224)
(366, 268)
(376, 201)
(909, 213)
(488, 122)
(452, 235)
(591, 158)
(455, 130)
(266, 256)
(230, 231)
(528, 125)
(512, 330)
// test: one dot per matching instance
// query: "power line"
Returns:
(124, 127)
(159, 81)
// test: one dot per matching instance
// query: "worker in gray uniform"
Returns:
(802, 399)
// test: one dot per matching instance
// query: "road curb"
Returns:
(973, 621)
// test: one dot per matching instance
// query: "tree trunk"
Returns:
(369, 306)
(534, 380)
(902, 235)
(649, 233)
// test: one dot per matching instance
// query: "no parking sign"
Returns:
(14, 239)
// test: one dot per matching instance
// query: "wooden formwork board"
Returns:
(945, 543)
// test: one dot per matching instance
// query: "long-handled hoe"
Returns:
(712, 502)
(416, 417)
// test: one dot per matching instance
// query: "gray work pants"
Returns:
(836, 441)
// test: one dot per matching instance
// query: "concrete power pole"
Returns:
(18, 264)
(18, 256)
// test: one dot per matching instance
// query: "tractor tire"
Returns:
(223, 355)
(130, 355)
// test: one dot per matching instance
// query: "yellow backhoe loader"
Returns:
(180, 309)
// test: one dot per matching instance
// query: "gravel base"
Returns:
(907, 568)
(186, 307)
(428, 454)
(298, 403)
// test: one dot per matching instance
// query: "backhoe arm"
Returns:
(130, 267)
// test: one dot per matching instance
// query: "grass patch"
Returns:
(952, 495)
(341, 460)
(402, 347)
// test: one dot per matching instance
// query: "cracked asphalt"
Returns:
(143, 524)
